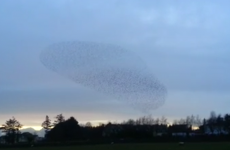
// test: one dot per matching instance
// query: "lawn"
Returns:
(162, 146)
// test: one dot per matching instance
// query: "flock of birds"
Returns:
(108, 69)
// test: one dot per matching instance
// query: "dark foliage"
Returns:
(65, 131)
(216, 128)
(12, 130)
(47, 125)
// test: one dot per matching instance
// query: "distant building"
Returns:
(115, 129)
(180, 130)
(214, 130)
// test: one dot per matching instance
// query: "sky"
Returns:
(184, 44)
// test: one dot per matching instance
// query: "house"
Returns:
(111, 129)
(214, 130)
(125, 129)
(180, 130)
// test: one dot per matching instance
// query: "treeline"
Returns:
(147, 128)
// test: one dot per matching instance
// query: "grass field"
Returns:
(164, 146)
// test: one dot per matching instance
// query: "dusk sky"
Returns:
(185, 44)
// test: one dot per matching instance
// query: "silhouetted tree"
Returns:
(212, 121)
(219, 124)
(198, 121)
(47, 125)
(163, 121)
(65, 131)
(203, 127)
(227, 123)
(145, 120)
(141, 128)
(182, 121)
(129, 122)
(29, 137)
(12, 130)
(88, 124)
(59, 118)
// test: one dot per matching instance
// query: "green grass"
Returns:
(162, 146)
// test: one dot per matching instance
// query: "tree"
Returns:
(219, 123)
(47, 125)
(65, 131)
(203, 126)
(163, 121)
(182, 121)
(29, 137)
(12, 129)
(227, 123)
(129, 122)
(157, 121)
(190, 120)
(175, 122)
(145, 120)
(198, 121)
(59, 118)
(88, 124)
(212, 121)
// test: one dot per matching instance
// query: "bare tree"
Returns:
(163, 121)
(88, 124)
(157, 121)
(212, 121)
(59, 118)
(182, 121)
(198, 121)
(47, 125)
